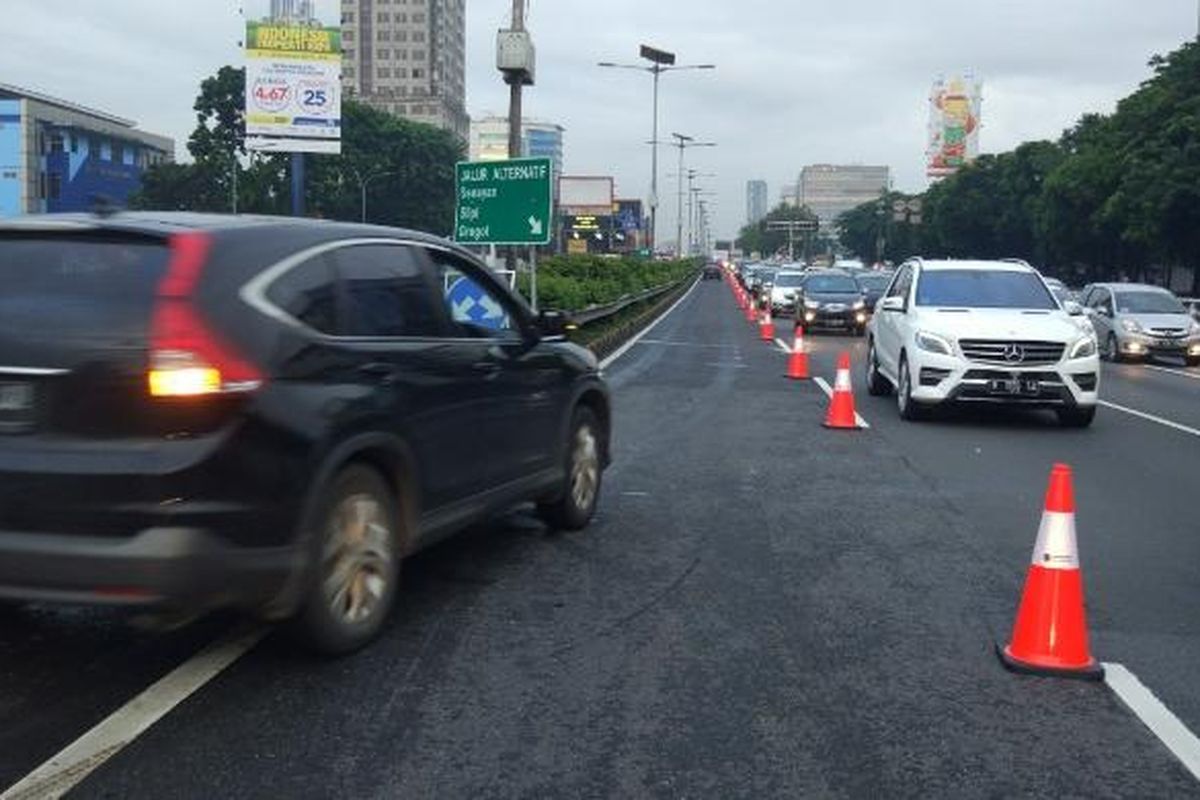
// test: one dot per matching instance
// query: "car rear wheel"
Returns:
(877, 385)
(1080, 417)
(908, 408)
(575, 504)
(356, 564)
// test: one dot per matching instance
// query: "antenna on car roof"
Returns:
(103, 206)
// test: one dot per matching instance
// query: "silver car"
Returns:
(1135, 321)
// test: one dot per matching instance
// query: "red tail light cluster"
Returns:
(188, 358)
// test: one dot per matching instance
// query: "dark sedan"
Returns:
(873, 285)
(831, 299)
(203, 411)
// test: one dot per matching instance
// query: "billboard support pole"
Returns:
(533, 299)
(297, 184)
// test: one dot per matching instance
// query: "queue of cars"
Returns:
(996, 332)
(839, 298)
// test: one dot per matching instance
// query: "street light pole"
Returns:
(660, 61)
(364, 182)
(682, 142)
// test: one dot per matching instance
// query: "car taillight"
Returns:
(188, 358)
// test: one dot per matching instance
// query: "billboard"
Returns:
(293, 76)
(585, 195)
(954, 108)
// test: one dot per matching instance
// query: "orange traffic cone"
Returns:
(1050, 634)
(751, 310)
(841, 405)
(766, 328)
(798, 362)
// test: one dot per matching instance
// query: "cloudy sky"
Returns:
(797, 81)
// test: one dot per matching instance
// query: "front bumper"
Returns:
(844, 319)
(1067, 384)
(1136, 345)
(158, 567)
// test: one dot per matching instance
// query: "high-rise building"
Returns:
(787, 195)
(489, 140)
(830, 189)
(756, 201)
(408, 59)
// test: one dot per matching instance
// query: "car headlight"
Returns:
(1084, 348)
(859, 305)
(1194, 330)
(932, 343)
(1131, 326)
(813, 304)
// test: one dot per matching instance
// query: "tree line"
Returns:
(1117, 196)
(408, 167)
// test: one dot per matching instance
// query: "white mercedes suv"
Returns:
(981, 332)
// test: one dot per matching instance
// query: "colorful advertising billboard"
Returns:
(293, 76)
(954, 107)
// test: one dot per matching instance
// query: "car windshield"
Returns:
(1148, 302)
(831, 284)
(788, 279)
(875, 283)
(983, 288)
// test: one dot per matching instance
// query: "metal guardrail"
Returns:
(596, 313)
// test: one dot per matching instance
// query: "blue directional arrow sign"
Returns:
(471, 304)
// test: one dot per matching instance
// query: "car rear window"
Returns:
(788, 280)
(1148, 303)
(874, 282)
(978, 288)
(53, 287)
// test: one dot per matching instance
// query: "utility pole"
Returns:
(516, 82)
(515, 58)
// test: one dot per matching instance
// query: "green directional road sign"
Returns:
(503, 202)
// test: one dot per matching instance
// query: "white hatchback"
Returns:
(980, 332)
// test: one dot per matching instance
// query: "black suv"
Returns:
(269, 413)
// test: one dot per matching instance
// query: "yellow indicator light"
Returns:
(184, 382)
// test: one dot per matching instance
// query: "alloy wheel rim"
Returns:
(357, 559)
(585, 468)
(902, 395)
(1112, 348)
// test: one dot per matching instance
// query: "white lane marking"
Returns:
(620, 351)
(77, 760)
(787, 351)
(1156, 716)
(1150, 417)
(1182, 373)
(665, 343)
(635, 494)
(730, 365)
(827, 389)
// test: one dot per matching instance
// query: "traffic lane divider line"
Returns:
(828, 390)
(623, 349)
(1150, 417)
(1182, 373)
(1169, 729)
(79, 759)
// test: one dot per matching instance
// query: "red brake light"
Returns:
(187, 358)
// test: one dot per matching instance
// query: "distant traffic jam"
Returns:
(943, 332)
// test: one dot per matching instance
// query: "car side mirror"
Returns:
(555, 324)
(1102, 311)
(1072, 308)
(892, 304)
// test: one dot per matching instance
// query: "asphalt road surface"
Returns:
(764, 608)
